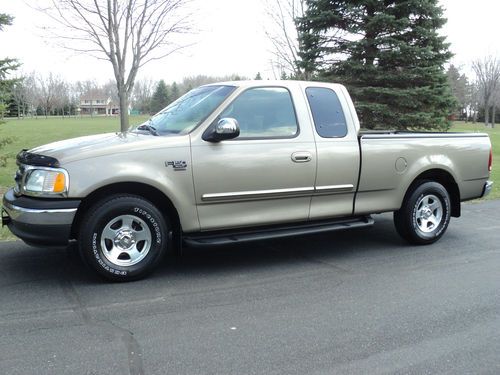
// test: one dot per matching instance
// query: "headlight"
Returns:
(46, 181)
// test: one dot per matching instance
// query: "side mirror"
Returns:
(226, 128)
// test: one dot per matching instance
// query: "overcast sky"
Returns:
(231, 40)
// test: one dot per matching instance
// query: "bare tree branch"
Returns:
(487, 72)
(283, 35)
(128, 33)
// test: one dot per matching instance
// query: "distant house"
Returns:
(98, 104)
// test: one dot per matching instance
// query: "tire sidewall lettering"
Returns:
(93, 249)
(100, 261)
(149, 218)
(97, 251)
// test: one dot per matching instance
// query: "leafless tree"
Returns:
(32, 93)
(110, 90)
(487, 72)
(62, 97)
(283, 34)
(128, 33)
(49, 87)
(142, 94)
(472, 101)
(495, 103)
(19, 96)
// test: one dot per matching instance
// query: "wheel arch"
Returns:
(444, 178)
(148, 192)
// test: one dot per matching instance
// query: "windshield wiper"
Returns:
(149, 128)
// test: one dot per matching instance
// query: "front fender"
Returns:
(87, 176)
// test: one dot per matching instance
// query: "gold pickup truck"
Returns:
(239, 161)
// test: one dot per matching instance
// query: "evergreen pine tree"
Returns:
(389, 55)
(174, 92)
(459, 87)
(258, 77)
(161, 97)
(6, 66)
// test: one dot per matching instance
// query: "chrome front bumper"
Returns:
(32, 216)
(39, 221)
(488, 186)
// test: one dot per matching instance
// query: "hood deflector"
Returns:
(29, 158)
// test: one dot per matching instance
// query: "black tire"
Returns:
(425, 213)
(123, 237)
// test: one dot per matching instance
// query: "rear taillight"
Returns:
(490, 162)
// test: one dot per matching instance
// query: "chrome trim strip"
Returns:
(339, 188)
(422, 135)
(275, 193)
(61, 216)
(255, 194)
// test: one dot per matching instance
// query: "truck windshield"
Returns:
(187, 112)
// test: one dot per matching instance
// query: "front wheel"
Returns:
(123, 237)
(425, 214)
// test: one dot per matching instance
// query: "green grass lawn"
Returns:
(28, 133)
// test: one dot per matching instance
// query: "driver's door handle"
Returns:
(301, 157)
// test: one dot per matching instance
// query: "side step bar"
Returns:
(234, 237)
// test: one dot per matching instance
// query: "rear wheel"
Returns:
(425, 214)
(123, 237)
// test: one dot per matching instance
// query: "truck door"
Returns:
(337, 152)
(265, 175)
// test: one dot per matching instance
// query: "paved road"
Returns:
(359, 302)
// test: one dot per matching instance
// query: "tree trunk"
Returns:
(486, 114)
(123, 111)
(493, 116)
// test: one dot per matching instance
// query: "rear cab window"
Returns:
(328, 116)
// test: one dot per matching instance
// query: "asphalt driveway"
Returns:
(358, 302)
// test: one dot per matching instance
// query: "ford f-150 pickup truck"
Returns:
(239, 161)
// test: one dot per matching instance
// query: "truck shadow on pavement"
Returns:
(28, 264)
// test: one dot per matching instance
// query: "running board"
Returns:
(234, 237)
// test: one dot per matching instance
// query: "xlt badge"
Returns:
(177, 165)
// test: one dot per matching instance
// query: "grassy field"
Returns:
(28, 133)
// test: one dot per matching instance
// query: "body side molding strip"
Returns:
(255, 194)
(275, 193)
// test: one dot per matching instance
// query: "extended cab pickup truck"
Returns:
(239, 161)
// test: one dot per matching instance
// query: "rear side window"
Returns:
(327, 112)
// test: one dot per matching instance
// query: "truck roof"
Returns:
(282, 83)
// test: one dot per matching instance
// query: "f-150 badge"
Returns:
(177, 165)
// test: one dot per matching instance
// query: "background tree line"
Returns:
(477, 95)
(388, 53)
(36, 94)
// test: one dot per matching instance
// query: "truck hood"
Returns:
(103, 144)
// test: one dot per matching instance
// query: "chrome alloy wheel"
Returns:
(126, 240)
(429, 213)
